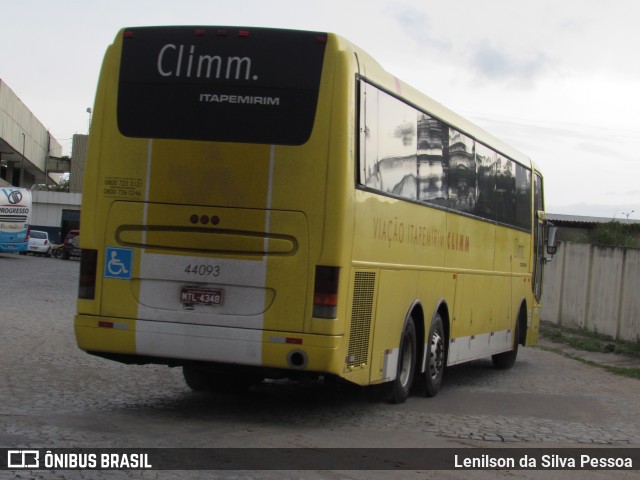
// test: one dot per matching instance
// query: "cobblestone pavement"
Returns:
(52, 395)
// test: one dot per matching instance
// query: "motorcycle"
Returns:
(57, 250)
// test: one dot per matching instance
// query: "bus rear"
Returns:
(204, 238)
(15, 219)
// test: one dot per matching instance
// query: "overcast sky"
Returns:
(557, 79)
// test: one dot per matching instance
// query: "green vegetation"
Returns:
(617, 234)
(585, 340)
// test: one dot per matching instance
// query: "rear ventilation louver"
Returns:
(361, 311)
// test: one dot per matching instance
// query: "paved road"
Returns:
(52, 395)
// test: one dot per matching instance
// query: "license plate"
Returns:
(202, 296)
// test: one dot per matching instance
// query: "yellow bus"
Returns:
(262, 203)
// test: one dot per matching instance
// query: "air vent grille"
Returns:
(361, 311)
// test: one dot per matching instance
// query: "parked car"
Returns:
(39, 243)
(71, 246)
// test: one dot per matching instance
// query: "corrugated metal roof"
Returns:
(560, 218)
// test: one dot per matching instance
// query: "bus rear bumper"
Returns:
(175, 343)
(13, 247)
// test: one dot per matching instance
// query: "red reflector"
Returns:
(243, 33)
(199, 32)
(293, 341)
(325, 299)
(322, 39)
(105, 324)
(128, 34)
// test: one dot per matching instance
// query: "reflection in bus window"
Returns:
(428, 161)
(505, 198)
(393, 169)
(523, 197)
(486, 160)
(463, 188)
(432, 159)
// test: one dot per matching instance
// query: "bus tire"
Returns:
(435, 357)
(237, 384)
(197, 380)
(401, 386)
(506, 360)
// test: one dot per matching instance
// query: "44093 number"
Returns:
(203, 270)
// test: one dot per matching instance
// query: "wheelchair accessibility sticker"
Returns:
(118, 263)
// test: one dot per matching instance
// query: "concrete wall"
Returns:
(79, 155)
(596, 288)
(21, 132)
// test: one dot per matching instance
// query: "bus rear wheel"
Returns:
(400, 388)
(435, 357)
(197, 380)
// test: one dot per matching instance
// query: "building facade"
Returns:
(26, 146)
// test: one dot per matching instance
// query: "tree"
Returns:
(63, 186)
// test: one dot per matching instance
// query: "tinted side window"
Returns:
(463, 183)
(523, 197)
(505, 197)
(397, 147)
(409, 154)
(389, 160)
(486, 163)
(433, 160)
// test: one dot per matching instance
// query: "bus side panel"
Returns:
(478, 291)
(478, 327)
(408, 248)
(390, 231)
(516, 245)
(469, 244)
(533, 322)
(398, 288)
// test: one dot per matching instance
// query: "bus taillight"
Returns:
(325, 295)
(88, 269)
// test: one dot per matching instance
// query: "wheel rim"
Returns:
(407, 361)
(436, 358)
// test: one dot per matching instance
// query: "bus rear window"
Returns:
(220, 84)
